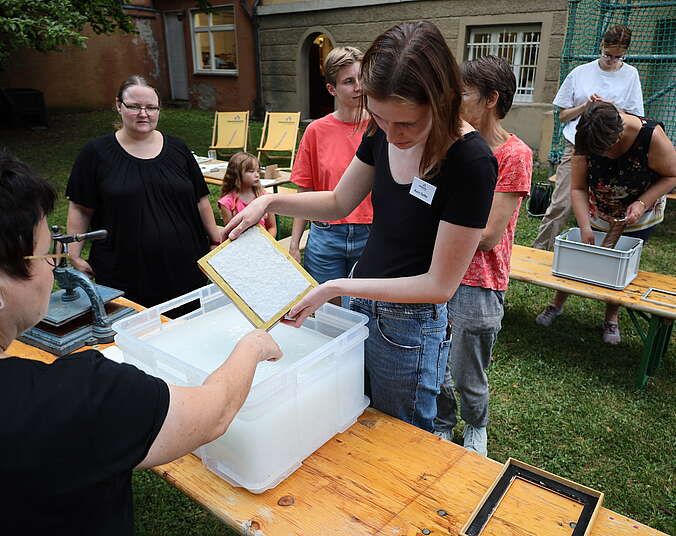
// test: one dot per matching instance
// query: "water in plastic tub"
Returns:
(295, 404)
(212, 336)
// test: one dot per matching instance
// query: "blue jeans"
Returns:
(333, 249)
(475, 314)
(404, 358)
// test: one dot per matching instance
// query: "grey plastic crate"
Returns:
(612, 268)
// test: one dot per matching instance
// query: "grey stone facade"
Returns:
(284, 44)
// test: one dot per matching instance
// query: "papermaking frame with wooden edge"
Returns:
(248, 312)
(514, 469)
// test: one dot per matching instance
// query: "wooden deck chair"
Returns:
(280, 133)
(231, 131)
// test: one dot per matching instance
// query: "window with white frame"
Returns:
(214, 42)
(519, 45)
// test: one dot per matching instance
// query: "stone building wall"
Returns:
(283, 37)
(88, 78)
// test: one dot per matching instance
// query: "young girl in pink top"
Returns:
(241, 185)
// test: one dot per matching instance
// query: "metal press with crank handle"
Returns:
(81, 312)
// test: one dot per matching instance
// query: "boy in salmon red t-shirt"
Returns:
(327, 148)
(475, 311)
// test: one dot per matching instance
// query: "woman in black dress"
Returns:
(147, 190)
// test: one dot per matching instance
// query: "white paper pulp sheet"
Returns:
(259, 273)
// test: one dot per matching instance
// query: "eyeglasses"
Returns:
(137, 109)
(613, 57)
(51, 258)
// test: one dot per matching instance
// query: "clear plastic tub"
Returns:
(294, 406)
(613, 268)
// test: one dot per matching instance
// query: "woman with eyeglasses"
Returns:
(607, 78)
(146, 189)
(72, 432)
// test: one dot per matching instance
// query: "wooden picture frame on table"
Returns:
(584, 500)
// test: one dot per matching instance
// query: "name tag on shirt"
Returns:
(422, 190)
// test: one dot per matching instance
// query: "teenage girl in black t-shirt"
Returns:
(432, 177)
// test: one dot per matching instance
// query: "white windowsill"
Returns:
(217, 73)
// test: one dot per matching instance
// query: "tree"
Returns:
(46, 25)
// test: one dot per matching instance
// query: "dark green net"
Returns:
(652, 52)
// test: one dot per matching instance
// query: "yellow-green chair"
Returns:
(231, 131)
(280, 133)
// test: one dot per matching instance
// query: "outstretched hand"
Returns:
(587, 236)
(598, 98)
(268, 349)
(249, 217)
(634, 212)
(295, 254)
(308, 304)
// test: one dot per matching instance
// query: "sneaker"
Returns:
(444, 434)
(546, 317)
(475, 439)
(611, 333)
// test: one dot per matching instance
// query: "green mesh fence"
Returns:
(652, 51)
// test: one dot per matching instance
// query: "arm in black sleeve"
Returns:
(82, 185)
(470, 203)
(195, 173)
(127, 410)
(365, 149)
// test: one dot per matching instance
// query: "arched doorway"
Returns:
(321, 101)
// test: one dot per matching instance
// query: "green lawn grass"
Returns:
(561, 400)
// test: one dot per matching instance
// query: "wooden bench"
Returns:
(535, 266)
(380, 477)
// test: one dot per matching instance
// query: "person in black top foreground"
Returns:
(71, 432)
(431, 176)
(146, 189)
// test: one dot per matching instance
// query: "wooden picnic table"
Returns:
(216, 177)
(381, 477)
(535, 266)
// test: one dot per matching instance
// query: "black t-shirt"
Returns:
(149, 207)
(404, 227)
(70, 435)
